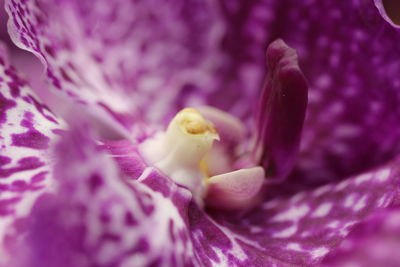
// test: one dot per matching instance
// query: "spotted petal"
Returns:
(353, 108)
(294, 231)
(97, 217)
(102, 53)
(289, 230)
(27, 129)
(376, 242)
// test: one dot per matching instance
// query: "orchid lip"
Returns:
(186, 153)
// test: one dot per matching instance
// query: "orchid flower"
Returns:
(190, 133)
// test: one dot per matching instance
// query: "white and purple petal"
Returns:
(338, 62)
(100, 217)
(27, 130)
(351, 58)
(353, 73)
(103, 54)
(375, 242)
(298, 230)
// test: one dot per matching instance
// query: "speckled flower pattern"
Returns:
(85, 203)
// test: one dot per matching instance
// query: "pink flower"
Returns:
(82, 188)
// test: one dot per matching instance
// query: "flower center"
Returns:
(192, 122)
(185, 153)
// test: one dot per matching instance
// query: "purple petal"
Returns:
(27, 129)
(281, 111)
(26, 63)
(249, 29)
(109, 59)
(3, 22)
(376, 242)
(195, 52)
(353, 72)
(295, 231)
(98, 218)
(337, 61)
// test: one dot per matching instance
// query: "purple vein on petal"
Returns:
(281, 111)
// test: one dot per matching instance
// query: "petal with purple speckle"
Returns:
(98, 216)
(375, 242)
(338, 62)
(353, 73)
(27, 129)
(101, 52)
(293, 231)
